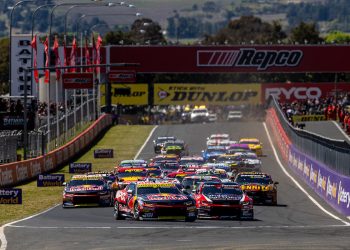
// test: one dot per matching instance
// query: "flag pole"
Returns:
(87, 90)
(65, 91)
(57, 115)
(81, 70)
(94, 80)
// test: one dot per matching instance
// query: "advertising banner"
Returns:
(10, 121)
(80, 168)
(127, 94)
(308, 118)
(11, 196)
(289, 92)
(234, 59)
(49, 180)
(122, 76)
(78, 80)
(206, 94)
(103, 153)
(332, 187)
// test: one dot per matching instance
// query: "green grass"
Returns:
(125, 140)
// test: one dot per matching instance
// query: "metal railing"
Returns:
(9, 142)
(334, 153)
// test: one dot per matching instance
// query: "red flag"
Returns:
(98, 54)
(47, 58)
(35, 64)
(87, 56)
(57, 60)
(73, 54)
(65, 61)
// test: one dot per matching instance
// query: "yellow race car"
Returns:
(254, 144)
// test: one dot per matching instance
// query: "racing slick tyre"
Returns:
(136, 215)
(190, 219)
(117, 214)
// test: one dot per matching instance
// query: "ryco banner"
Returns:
(209, 94)
(201, 59)
(127, 94)
(288, 92)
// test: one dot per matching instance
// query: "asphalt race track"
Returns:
(296, 223)
(327, 129)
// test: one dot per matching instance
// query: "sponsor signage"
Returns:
(80, 167)
(289, 92)
(127, 94)
(308, 118)
(103, 153)
(218, 59)
(208, 94)
(49, 180)
(21, 56)
(332, 187)
(78, 80)
(122, 76)
(11, 196)
(9, 121)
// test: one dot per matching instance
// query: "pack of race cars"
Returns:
(224, 182)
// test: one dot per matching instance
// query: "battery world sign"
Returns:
(235, 59)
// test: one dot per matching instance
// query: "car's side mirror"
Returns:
(129, 191)
(64, 184)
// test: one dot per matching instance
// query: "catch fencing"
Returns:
(333, 153)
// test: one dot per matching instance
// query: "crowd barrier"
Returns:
(14, 173)
(331, 186)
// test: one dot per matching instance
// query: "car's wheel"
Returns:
(117, 214)
(136, 212)
(190, 219)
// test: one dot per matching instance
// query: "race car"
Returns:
(216, 139)
(128, 175)
(190, 183)
(237, 147)
(220, 199)
(159, 142)
(154, 200)
(87, 190)
(154, 172)
(254, 144)
(258, 186)
(212, 152)
(163, 158)
(177, 147)
(245, 162)
(191, 161)
(131, 163)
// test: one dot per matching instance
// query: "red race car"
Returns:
(152, 200)
(223, 199)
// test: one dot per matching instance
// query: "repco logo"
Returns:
(264, 59)
(299, 93)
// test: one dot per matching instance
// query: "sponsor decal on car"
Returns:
(166, 197)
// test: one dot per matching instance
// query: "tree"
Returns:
(337, 37)
(4, 65)
(305, 33)
(248, 29)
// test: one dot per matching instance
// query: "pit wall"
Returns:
(14, 173)
(329, 185)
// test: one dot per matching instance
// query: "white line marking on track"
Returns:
(2, 233)
(297, 183)
(188, 227)
(145, 143)
(341, 130)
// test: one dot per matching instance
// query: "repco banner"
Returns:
(301, 91)
(219, 59)
(127, 94)
(209, 94)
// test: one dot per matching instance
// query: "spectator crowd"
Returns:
(332, 108)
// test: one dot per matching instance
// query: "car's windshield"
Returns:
(264, 180)
(74, 183)
(219, 189)
(170, 166)
(191, 162)
(158, 190)
(132, 174)
(215, 150)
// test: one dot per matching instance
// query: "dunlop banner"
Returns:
(209, 94)
(127, 94)
(308, 118)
